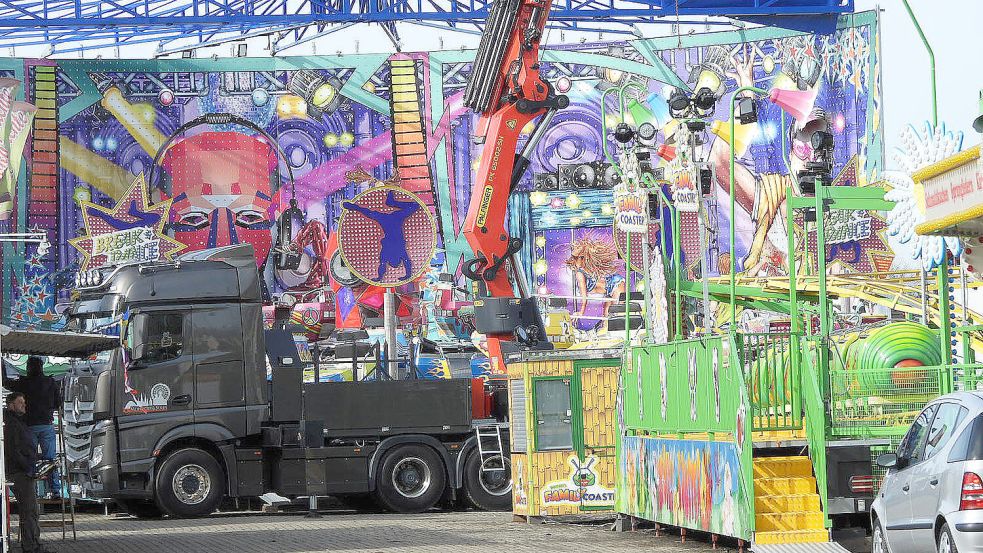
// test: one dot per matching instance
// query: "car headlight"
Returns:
(96, 456)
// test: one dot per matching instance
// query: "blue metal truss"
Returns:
(68, 25)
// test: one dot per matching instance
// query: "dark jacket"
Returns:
(43, 397)
(19, 452)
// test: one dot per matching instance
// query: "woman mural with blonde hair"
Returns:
(596, 270)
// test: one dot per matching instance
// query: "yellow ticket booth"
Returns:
(563, 431)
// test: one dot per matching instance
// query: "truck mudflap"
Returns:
(850, 480)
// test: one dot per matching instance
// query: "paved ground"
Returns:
(363, 533)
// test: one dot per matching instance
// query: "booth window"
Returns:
(553, 428)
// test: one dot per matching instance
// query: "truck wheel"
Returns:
(190, 483)
(488, 490)
(140, 508)
(410, 480)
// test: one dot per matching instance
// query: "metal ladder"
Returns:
(490, 451)
(65, 504)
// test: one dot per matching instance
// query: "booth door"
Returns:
(597, 433)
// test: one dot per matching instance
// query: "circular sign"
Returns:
(386, 236)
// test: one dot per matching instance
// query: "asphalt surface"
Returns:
(340, 530)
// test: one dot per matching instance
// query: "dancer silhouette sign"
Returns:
(386, 236)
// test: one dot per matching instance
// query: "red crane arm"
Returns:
(508, 91)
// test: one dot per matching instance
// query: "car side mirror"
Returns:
(887, 460)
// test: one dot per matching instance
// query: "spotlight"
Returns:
(809, 215)
(321, 93)
(706, 180)
(646, 131)
(187, 54)
(747, 111)
(678, 103)
(822, 140)
(807, 183)
(704, 100)
(696, 126)
(623, 133)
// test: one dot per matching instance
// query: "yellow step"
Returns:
(782, 467)
(786, 503)
(784, 486)
(796, 536)
(775, 522)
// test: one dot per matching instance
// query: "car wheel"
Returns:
(488, 484)
(946, 543)
(411, 479)
(190, 483)
(879, 540)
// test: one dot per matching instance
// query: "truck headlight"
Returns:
(96, 456)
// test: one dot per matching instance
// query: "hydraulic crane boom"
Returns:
(507, 90)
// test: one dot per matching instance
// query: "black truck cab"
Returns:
(183, 413)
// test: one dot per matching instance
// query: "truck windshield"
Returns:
(94, 364)
(96, 323)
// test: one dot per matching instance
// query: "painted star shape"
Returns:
(96, 226)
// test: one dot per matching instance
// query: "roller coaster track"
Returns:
(895, 290)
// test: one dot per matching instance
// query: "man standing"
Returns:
(44, 397)
(20, 456)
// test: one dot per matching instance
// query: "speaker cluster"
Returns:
(596, 175)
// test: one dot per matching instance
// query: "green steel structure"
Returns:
(816, 385)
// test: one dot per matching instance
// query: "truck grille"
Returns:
(79, 399)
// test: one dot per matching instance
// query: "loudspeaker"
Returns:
(546, 181)
(610, 176)
(578, 176)
(340, 271)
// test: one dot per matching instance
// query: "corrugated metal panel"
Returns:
(829, 547)
(58, 344)
(518, 421)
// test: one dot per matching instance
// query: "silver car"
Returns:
(932, 495)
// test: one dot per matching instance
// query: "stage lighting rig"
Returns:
(820, 167)
(700, 105)
(624, 133)
(747, 111)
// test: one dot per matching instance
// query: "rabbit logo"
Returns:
(583, 476)
(692, 385)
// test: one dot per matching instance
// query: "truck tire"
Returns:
(411, 479)
(140, 508)
(488, 490)
(190, 483)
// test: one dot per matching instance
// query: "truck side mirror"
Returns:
(136, 335)
(887, 460)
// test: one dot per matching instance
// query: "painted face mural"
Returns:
(220, 183)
